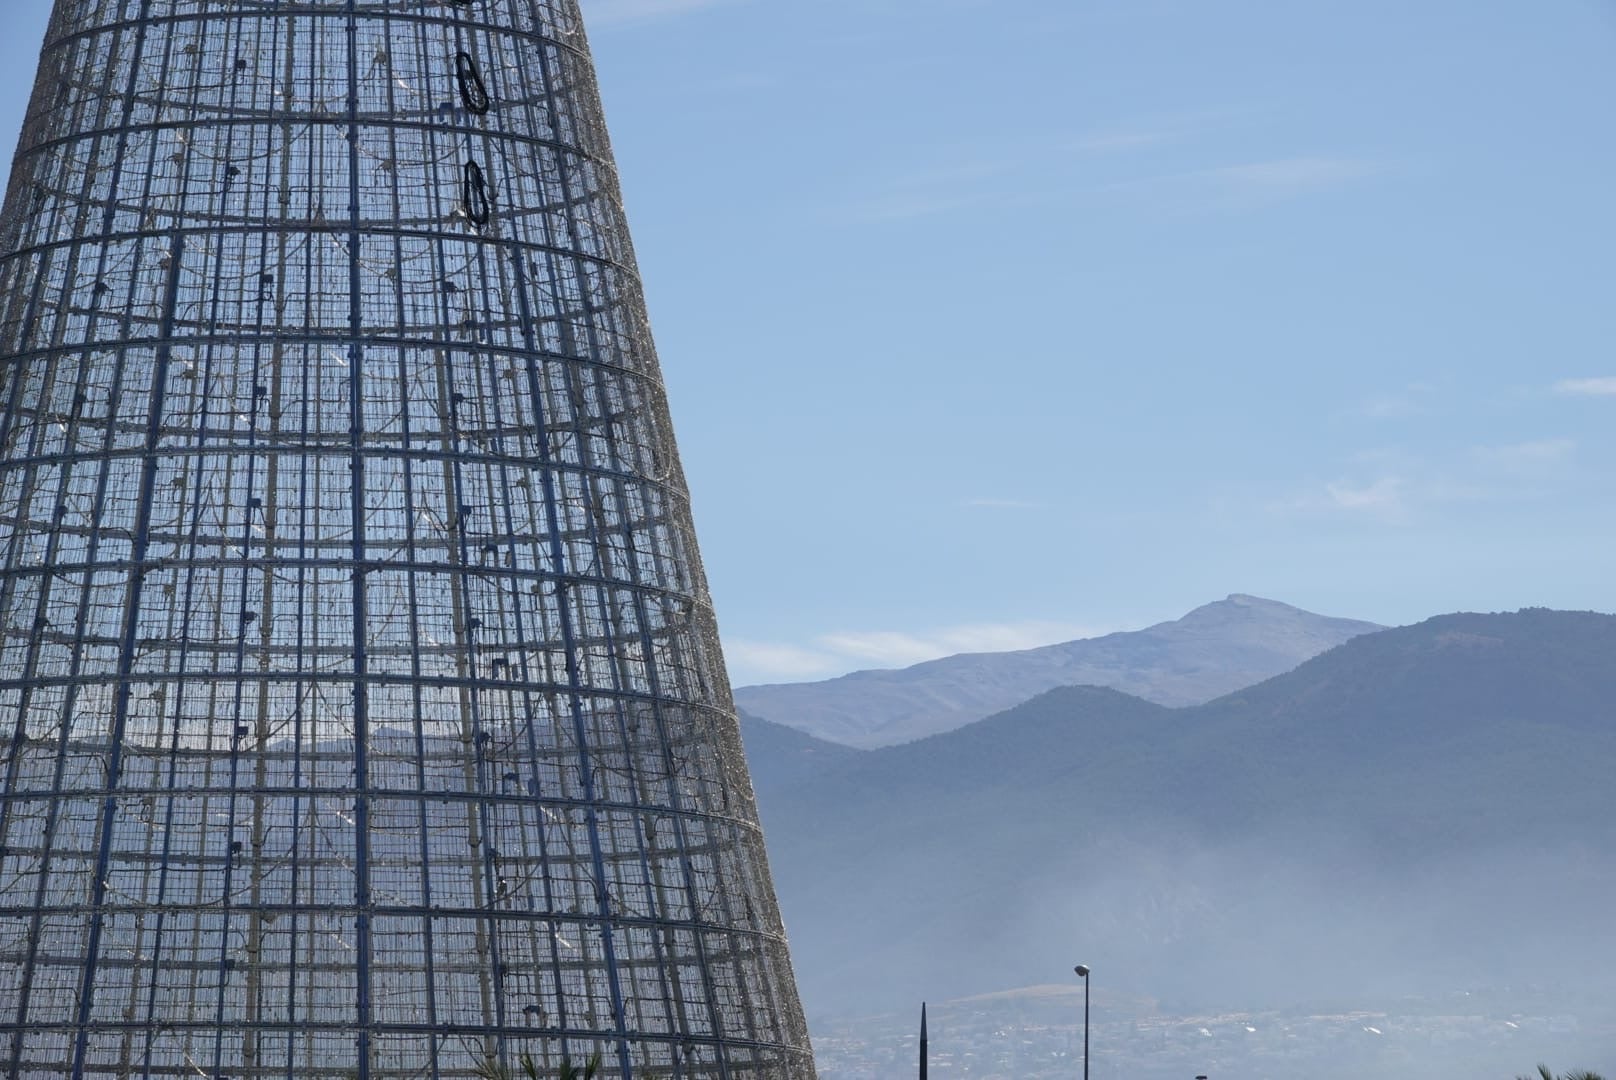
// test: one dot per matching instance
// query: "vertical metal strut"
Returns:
(361, 706)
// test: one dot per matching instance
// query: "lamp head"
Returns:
(1082, 971)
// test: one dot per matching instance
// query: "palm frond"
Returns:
(590, 1070)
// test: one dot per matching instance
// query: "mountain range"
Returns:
(1433, 802)
(1215, 649)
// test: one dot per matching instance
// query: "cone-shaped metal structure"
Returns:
(361, 708)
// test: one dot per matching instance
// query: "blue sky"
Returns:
(988, 323)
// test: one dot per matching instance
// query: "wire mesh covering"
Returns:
(361, 706)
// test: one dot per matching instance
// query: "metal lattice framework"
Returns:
(361, 707)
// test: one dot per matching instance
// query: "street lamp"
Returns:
(1083, 973)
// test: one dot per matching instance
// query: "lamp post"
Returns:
(1083, 973)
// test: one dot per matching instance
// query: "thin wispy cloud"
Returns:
(1287, 176)
(939, 190)
(1119, 141)
(901, 206)
(1023, 173)
(750, 661)
(1253, 183)
(849, 650)
(1392, 408)
(1014, 172)
(1411, 400)
(1394, 486)
(1390, 498)
(1002, 504)
(617, 12)
(1525, 455)
(1601, 386)
(1379, 496)
(889, 648)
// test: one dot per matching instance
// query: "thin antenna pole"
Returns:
(923, 1053)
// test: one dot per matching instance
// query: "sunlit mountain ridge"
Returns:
(1215, 649)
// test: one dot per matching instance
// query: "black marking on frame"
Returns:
(475, 194)
(473, 91)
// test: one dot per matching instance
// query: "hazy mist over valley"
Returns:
(1415, 815)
